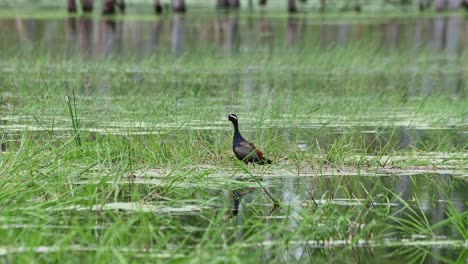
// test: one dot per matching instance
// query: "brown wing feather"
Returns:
(247, 152)
(260, 153)
(243, 149)
(251, 147)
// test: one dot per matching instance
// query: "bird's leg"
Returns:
(237, 197)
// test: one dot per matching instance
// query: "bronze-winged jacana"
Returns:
(244, 150)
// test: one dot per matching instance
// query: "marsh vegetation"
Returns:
(113, 146)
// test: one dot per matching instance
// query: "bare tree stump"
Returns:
(177, 35)
(454, 4)
(447, 5)
(422, 5)
(158, 9)
(322, 6)
(234, 4)
(178, 6)
(465, 4)
(71, 6)
(357, 8)
(222, 4)
(292, 6)
(121, 5)
(108, 7)
(87, 5)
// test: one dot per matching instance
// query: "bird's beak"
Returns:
(226, 118)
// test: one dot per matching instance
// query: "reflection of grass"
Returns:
(347, 111)
(412, 223)
(411, 219)
(455, 219)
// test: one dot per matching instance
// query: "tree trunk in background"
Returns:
(447, 5)
(454, 4)
(454, 81)
(262, 2)
(234, 3)
(343, 34)
(71, 36)
(222, 3)
(232, 41)
(87, 5)
(292, 6)
(85, 31)
(156, 35)
(121, 5)
(465, 4)
(177, 35)
(291, 31)
(422, 5)
(108, 7)
(357, 8)
(71, 6)
(178, 6)
(322, 6)
(109, 40)
(439, 5)
(266, 36)
(158, 9)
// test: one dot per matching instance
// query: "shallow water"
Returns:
(85, 36)
(301, 198)
(443, 39)
(364, 139)
(296, 193)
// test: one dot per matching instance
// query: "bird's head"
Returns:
(232, 118)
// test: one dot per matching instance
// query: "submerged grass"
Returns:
(364, 157)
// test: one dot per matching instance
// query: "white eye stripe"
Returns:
(233, 116)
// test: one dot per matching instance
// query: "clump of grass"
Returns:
(74, 118)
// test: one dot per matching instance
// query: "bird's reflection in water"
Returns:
(235, 199)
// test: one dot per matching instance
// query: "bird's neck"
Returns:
(237, 135)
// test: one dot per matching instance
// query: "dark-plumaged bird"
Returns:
(244, 150)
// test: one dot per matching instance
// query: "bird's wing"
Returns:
(243, 149)
(247, 146)
(251, 147)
